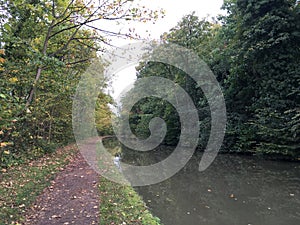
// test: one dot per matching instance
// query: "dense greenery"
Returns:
(45, 47)
(254, 52)
(262, 89)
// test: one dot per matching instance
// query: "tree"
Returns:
(263, 93)
(254, 54)
(196, 35)
(47, 45)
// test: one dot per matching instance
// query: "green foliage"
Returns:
(263, 86)
(103, 115)
(45, 46)
(196, 35)
(255, 56)
(147, 109)
(44, 121)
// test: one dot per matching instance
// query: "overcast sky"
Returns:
(175, 10)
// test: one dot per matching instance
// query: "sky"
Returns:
(174, 11)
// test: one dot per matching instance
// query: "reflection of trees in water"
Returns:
(233, 190)
(112, 146)
(145, 158)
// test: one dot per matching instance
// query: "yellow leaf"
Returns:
(13, 80)
(3, 144)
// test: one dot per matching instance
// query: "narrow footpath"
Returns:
(72, 198)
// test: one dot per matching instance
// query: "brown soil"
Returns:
(72, 198)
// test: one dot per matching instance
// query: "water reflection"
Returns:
(233, 190)
(117, 160)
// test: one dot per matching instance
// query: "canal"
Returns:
(234, 190)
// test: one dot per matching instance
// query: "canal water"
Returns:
(234, 190)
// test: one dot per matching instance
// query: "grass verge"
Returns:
(20, 185)
(122, 205)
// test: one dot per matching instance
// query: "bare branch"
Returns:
(65, 29)
(85, 44)
(111, 32)
(77, 62)
(77, 26)
(70, 14)
(67, 43)
(53, 9)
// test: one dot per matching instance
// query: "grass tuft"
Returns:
(122, 205)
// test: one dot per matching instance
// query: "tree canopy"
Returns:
(254, 53)
(46, 45)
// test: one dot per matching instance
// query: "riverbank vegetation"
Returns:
(127, 206)
(254, 52)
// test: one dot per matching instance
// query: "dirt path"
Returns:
(72, 198)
